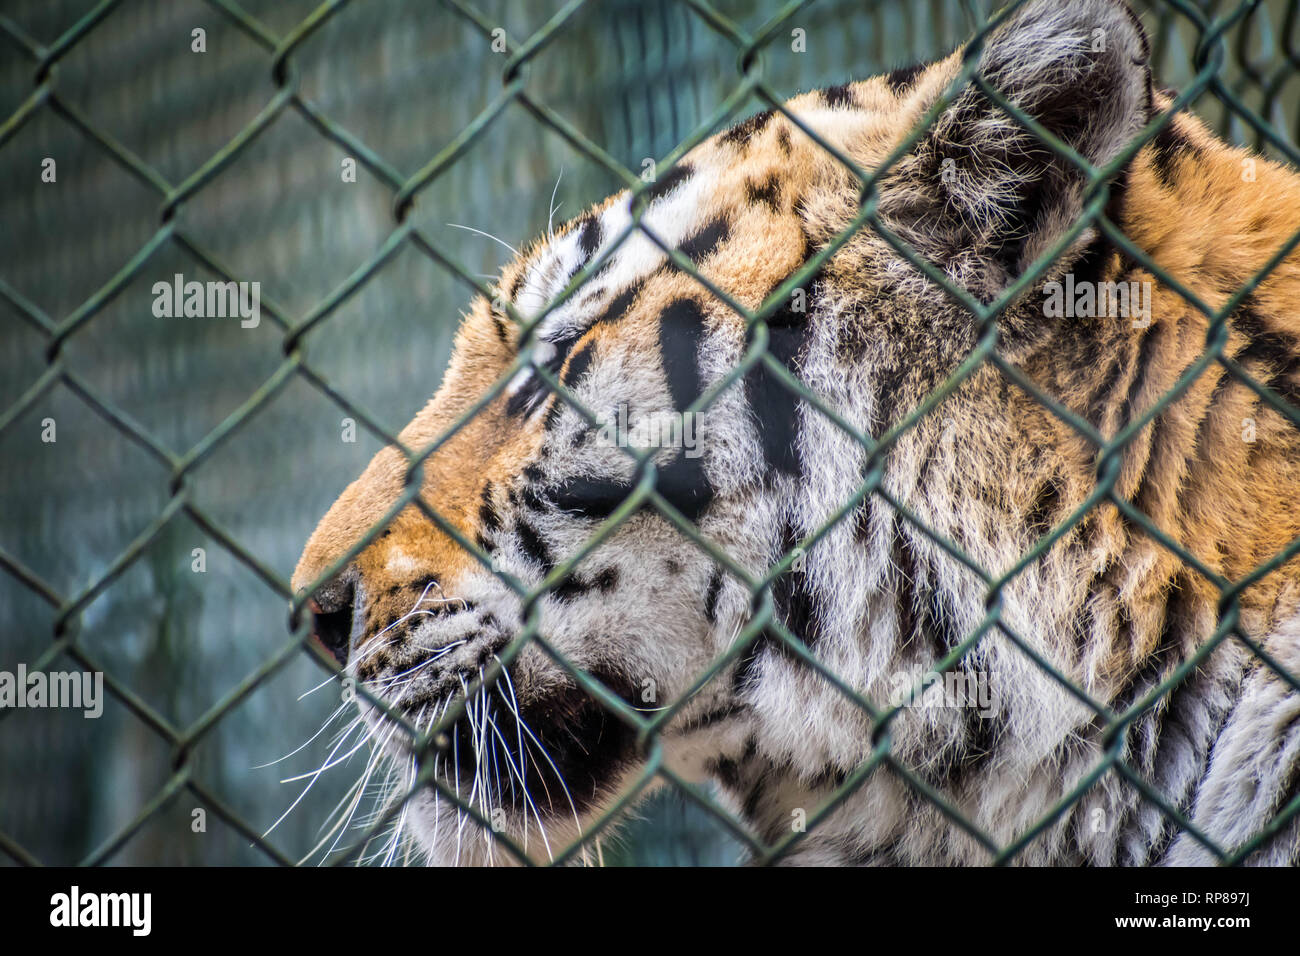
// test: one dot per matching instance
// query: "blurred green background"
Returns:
(636, 76)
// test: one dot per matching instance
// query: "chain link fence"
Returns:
(1235, 63)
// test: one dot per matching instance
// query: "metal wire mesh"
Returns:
(1230, 75)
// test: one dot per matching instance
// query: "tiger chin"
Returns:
(530, 478)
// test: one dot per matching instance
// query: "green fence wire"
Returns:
(1228, 74)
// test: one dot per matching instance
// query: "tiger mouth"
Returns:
(547, 756)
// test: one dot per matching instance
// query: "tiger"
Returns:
(921, 584)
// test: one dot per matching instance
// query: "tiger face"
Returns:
(655, 431)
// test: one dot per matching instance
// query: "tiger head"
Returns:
(676, 416)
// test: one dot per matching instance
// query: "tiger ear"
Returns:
(981, 194)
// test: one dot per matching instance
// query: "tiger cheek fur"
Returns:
(530, 479)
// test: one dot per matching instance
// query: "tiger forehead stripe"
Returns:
(675, 215)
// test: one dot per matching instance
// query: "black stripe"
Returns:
(797, 607)
(1097, 403)
(487, 512)
(708, 720)
(675, 176)
(1042, 512)
(1221, 386)
(1084, 622)
(923, 613)
(729, 769)
(532, 501)
(703, 243)
(776, 408)
(743, 676)
(1157, 666)
(905, 561)
(952, 759)
(618, 307)
(904, 78)
(589, 497)
(589, 237)
(749, 808)
(535, 389)
(1286, 386)
(519, 403)
(1277, 349)
(578, 365)
(711, 595)
(534, 547)
(1139, 374)
(766, 193)
(682, 483)
(1169, 144)
(841, 95)
(681, 330)
(570, 588)
(827, 778)
(1116, 205)
(727, 772)
(553, 416)
(1093, 262)
(983, 732)
(793, 599)
(686, 487)
(743, 132)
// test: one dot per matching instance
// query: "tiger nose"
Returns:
(333, 610)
